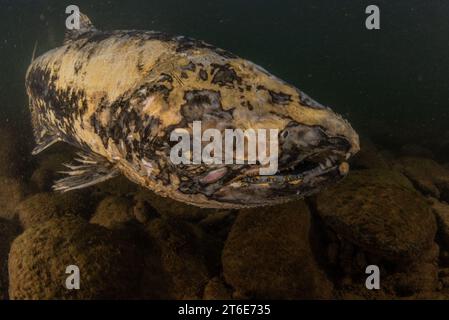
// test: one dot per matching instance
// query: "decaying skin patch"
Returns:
(120, 94)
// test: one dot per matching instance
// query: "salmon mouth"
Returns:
(298, 179)
(299, 172)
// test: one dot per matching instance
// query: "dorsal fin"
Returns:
(85, 26)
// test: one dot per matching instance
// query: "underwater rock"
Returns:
(368, 157)
(427, 175)
(402, 281)
(112, 212)
(179, 260)
(268, 255)
(216, 289)
(417, 278)
(381, 177)
(9, 230)
(172, 208)
(12, 191)
(109, 267)
(44, 206)
(379, 211)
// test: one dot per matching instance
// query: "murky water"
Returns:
(391, 84)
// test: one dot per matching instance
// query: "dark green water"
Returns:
(391, 83)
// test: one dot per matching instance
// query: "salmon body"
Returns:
(118, 96)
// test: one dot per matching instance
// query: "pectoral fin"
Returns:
(45, 142)
(90, 169)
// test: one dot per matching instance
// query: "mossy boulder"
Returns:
(268, 255)
(109, 267)
(9, 230)
(44, 206)
(427, 175)
(380, 212)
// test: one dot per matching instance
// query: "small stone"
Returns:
(113, 212)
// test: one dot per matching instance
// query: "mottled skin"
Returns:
(120, 94)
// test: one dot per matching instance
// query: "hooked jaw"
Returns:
(302, 172)
(309, 158)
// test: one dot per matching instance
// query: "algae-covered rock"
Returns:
(41, 207)
(179, 260)
(109, 267)
(426, 174)
(12, 191)
(9, 230)
(268, 255)
(418, 277)
(379, 212)
(380, 177)
(112, 212)
(416, 280)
